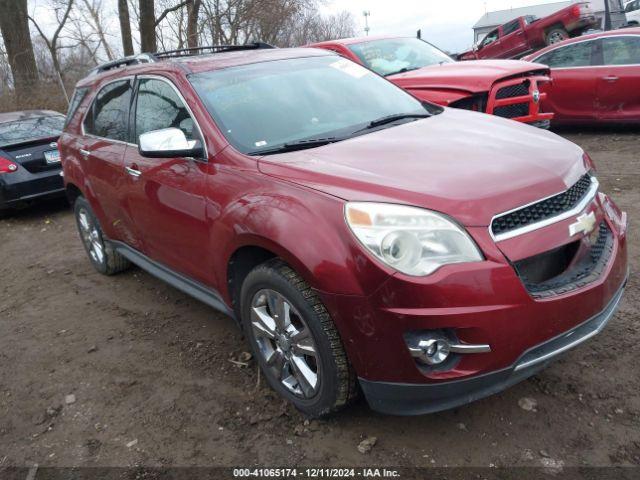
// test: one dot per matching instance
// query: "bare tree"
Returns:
(193, 11)
(53, 44)
(94, 10)
(14, 26)
(149, 22)
(148, 26)
(125, 27)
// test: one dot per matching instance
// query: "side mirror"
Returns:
(169, 143)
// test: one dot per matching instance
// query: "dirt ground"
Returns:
(152, 384)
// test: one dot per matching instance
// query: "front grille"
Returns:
(542, 210)
(556, 272)
(512, 111)
(476, 103)
(519, 90)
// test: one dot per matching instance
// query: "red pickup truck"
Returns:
(528, 34)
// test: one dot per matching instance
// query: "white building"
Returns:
(491, 20)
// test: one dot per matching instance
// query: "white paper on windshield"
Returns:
(350, 68)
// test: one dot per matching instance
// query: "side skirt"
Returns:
(191, 287)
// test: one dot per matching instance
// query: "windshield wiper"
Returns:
(391, 119)
(297, 145)
(402, 70)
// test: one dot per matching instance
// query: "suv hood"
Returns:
(468, 165)
(474, 76)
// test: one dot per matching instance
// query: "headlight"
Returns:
(409, 239)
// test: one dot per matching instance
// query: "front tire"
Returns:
(102, 255)
(295, 341)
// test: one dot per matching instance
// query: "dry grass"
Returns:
(46, 97)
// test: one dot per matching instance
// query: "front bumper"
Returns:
(417, 399)
(481, 303)
(22, 186)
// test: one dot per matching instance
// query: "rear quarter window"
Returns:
(76, 100)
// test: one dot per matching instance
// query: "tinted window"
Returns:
(76, 100)
(511, 27)
(575, 55)
(111, 112)
(159, 106)
(386, 57)
(32, 128)
(621, 50)
(265, 105)
(632, 6)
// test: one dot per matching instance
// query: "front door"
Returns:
(572, 95)
(619, 78)
(167, 195)
(490, 46)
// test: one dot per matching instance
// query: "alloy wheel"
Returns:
(285, 343)
(90, 236)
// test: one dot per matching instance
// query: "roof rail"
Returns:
(188, 52)
(124, 62)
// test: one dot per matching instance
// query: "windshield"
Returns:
(396, 55)
(33, 128)
(270, 104)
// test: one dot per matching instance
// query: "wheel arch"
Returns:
(248, 253)
(73, 192)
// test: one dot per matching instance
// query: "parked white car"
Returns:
(632, 11)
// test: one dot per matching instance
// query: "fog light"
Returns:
(433, 348)
(432, 351)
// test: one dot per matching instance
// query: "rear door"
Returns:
(619, 79)
(166, 196)
(574, 70)
(102, 149)
(513, 40)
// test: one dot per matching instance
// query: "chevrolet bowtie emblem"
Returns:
(584, 224)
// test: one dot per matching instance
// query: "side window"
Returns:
(110, 112)
(632, 6)
(575, 55)
(621, 50)
(511, 27)
(159, 106)
(490, 38)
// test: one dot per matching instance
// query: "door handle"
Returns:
(84, 153)
(611, 78)
(133, 172)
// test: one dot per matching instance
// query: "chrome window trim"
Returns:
(583, 41)
(182, 99)
(93, 99)
(588, 198)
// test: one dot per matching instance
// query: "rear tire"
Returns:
(102, 255)
(556, 35)
(295, 341)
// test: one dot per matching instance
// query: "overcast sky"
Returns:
(446, 24)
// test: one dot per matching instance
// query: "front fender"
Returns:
(309, 235)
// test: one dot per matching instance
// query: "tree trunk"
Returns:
(193, 9)
(148, 26)
(125, 27)
(14, 26)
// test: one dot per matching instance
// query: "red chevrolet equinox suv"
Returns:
(364, 241)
